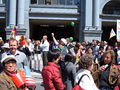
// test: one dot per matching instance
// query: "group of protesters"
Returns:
(64, 62)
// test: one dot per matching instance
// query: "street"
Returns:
(38, 79)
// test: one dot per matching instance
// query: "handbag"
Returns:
(77, 86)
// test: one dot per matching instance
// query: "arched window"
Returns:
(112, 7)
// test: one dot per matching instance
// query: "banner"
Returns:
(118, 30)
(112, 33)
(13, 32)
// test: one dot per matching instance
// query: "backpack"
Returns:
(77, 86)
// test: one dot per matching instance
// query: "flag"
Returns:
(112, 33)
(13, 32)
(29, 81)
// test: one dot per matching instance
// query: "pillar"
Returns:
(96, 13)
(12, 13)
(20, 16)
(10, 16)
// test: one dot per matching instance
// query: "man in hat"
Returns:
(62, 45)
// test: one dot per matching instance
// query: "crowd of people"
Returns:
(63, 62)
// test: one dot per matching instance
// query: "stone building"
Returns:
(81, 19)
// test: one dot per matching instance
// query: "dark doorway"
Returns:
(106, 35)
(59, 31)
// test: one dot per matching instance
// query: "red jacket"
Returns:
(51, 77)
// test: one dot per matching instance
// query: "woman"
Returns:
(85, 68)
(51, 72)
(9, 79)
(69, 71)
(108, 72)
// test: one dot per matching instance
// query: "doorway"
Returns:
(60, 31)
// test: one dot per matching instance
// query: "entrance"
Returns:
(106, 35)
(60, 31)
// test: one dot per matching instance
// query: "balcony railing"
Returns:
(55, 2)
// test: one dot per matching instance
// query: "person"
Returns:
(20, 56)
(85, 68)
(8, 76)
(108, 71)
(44, 45)
(69, 72)
(37, 57)
(61, 45)
(51, 72)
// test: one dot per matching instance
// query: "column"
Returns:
(88, 13)
(27, 3)
(20, 16)
(12, 13)
(96, 13)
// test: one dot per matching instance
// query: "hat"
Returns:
(6, 45)
(64, 40)
(8, 58)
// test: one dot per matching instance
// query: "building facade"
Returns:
(81, 19)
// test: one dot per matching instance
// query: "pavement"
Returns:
(38, 79)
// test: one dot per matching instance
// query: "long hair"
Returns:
(112, 53)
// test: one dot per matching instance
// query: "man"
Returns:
(45, 48)
(20, 56)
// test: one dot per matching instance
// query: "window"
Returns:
(33, 1)
(1, 1)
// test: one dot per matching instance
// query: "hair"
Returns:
(37, 42)
(112, 53)
(69, 57)
(85, 62)
(12, 40)
(53, 55)
(87, 49)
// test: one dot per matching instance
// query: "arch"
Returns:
(103, 4)
(112, 7)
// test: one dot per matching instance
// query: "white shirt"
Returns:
(31, 47)
(87, 82)
(45, 46)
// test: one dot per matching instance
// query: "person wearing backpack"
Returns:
(85, 68)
